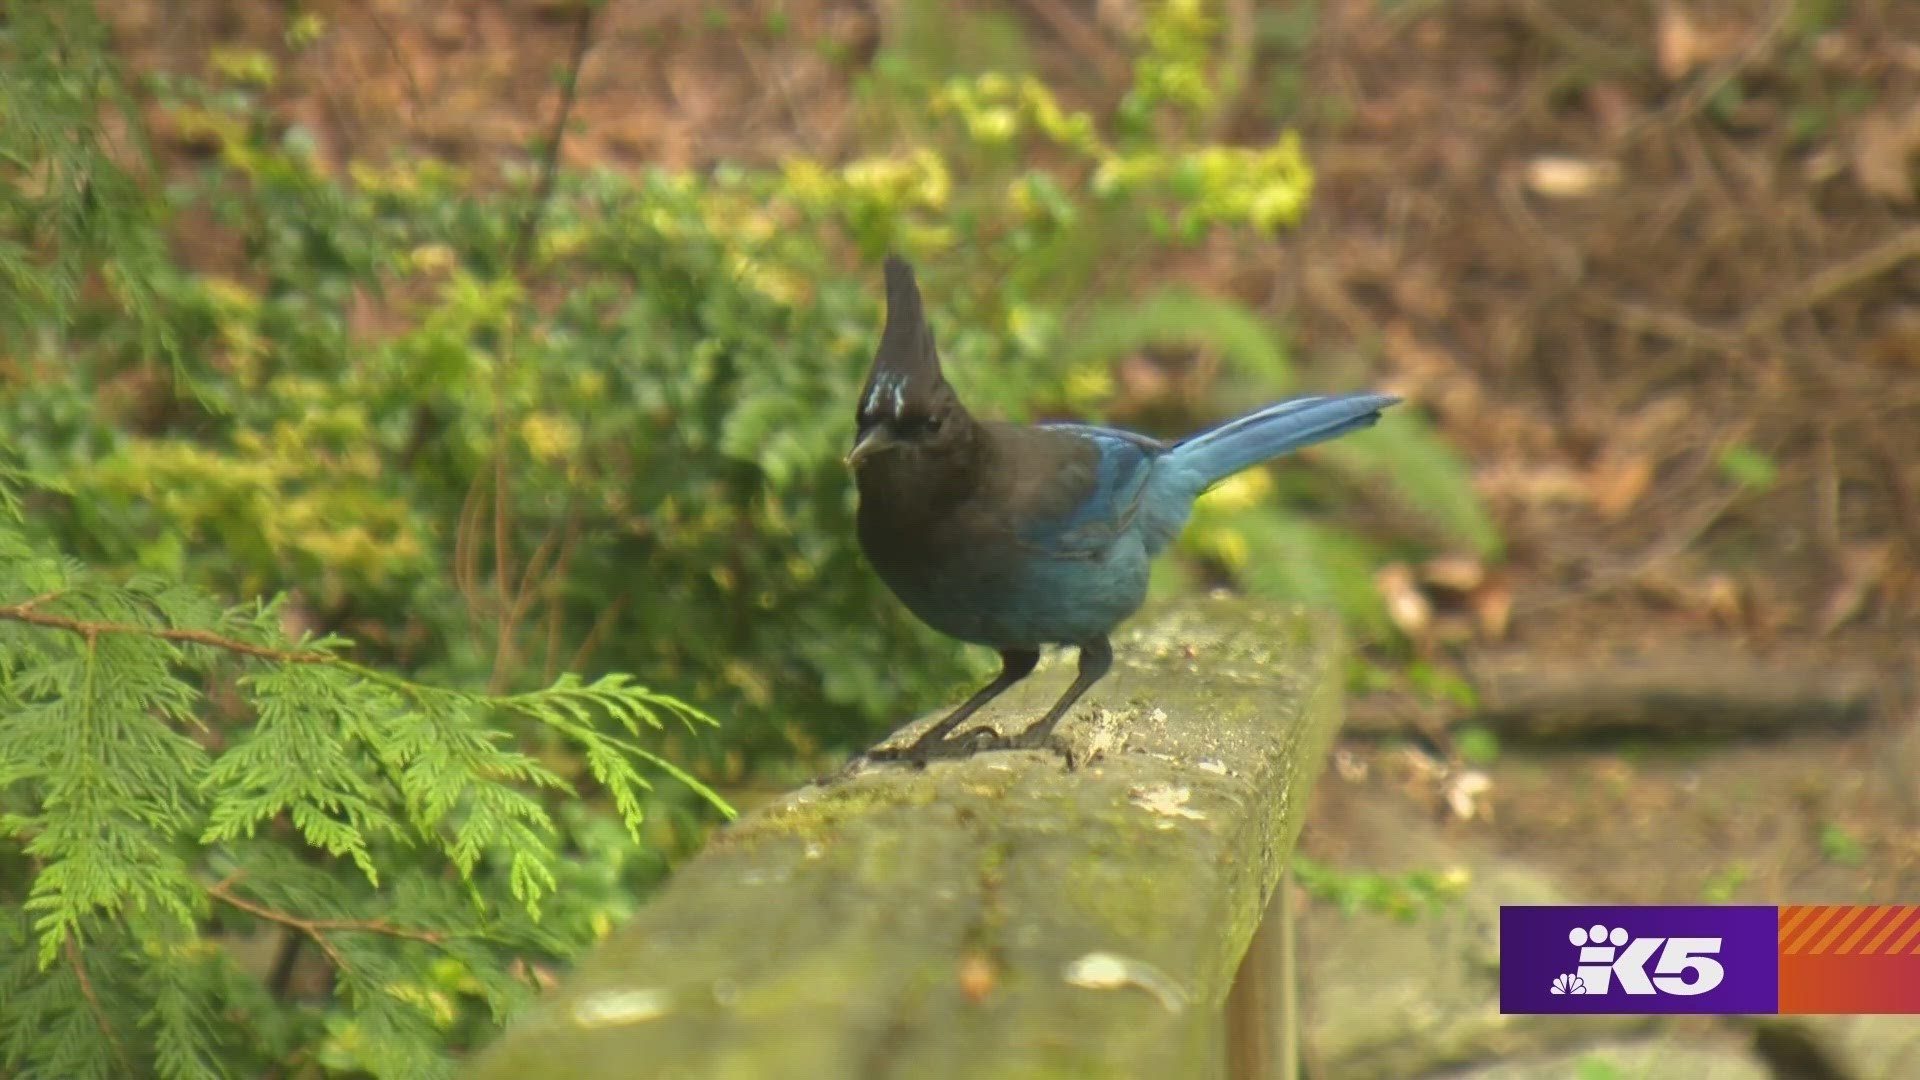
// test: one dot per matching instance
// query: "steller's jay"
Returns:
(1015, 537)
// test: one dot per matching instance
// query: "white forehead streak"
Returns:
(889, 384)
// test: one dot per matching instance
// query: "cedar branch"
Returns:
(99, 1011)
(316, 930)
(25, 612)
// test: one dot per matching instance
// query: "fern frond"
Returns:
(1408, 458)
(1246, 343)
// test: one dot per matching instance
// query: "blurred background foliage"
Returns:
(619, 447)
(294, 301)
(495, 430)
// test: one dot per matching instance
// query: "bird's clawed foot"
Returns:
(979, 740)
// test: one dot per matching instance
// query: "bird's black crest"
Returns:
(906, 375)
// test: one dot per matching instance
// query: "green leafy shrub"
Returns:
(631, 449)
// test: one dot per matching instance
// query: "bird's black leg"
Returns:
(1015, 664)
(1096, 659)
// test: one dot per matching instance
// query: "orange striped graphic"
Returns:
(1850, 958)
(1880, 917)
(1901, 945)
(1848, 918)
(1821, 915)
(1790, 920)
(1815, 928)
(1903, 914)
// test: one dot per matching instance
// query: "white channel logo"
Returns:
(1610, 957)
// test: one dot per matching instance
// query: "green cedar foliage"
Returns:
(176, 776)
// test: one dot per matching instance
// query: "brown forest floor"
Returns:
(1600, 242)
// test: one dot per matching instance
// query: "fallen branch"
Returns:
(1706, 692)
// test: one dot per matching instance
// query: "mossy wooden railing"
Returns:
(998, 916)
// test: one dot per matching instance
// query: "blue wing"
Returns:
(1102, 476)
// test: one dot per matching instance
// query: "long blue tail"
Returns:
(1219, 452)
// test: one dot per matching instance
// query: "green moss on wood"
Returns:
(906, 923)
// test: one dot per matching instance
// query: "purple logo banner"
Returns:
(1635, 959)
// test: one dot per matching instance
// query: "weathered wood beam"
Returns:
(993, 917)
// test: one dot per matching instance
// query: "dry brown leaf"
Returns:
(1678, 43)
(1824, 164)
(1429, 374)
(1453, 630)
(1142, 381)
(1616, 487)
(1465, 794)
(977, 977)
(1897, 342)
(1614, 106)
(1862, 566)
(1414, 357)
(1407, 606)
(1492, 606)
(1684, 46)
(1719, 594)
(1655, 422)
(1420, 289)
(1454, 573)
(1883, 149)
(541, 975)
(1121, 17)
(1559, 177)
(1541, 485)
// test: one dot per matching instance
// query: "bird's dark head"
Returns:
(906, 410)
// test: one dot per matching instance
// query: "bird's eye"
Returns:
(916, 426)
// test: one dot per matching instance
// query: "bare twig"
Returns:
(1893, 465)
(1590, 48)
(1715, 80)
(316, 930)
(599, 626)
(567, 532)
(1824, 285)
(466, 547)
(1235, 70)
(515, 603)
(503, 643)
(1833, 281)
(99, 1011)
(522, 252)
(1647, 563)
(1675, 327)
(28, 605)
(1083, 39)
(285, 960)
(414, 97)
(550, 164)
(1826, 493)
